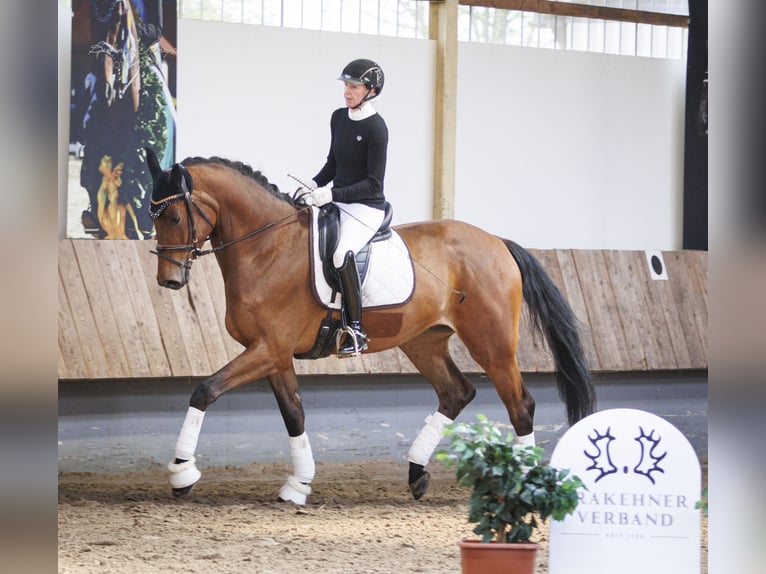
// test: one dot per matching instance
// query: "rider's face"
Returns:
(354, 94)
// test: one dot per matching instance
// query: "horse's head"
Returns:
(178, 221)
(115, 38)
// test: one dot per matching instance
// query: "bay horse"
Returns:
(468, 283)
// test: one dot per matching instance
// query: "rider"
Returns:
(356, 166)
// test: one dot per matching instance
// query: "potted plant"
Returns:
(512, 495)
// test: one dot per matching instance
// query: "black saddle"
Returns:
(328, 224)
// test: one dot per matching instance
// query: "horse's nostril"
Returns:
(171, 284)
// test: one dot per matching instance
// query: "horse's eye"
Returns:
(174, 219)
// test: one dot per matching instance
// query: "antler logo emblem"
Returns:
(649, 462)
(601, 460)
(601, 456)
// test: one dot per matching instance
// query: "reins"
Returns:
(193, 248)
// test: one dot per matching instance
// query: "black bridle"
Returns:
(194, 249)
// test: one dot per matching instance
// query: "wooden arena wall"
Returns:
(115, 322)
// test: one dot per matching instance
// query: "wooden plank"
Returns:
(700, 259)
(63, 372)
(210, 327)
(661, 295)
(70, 363)
(88, 340)
(383, 362)
(550, 262)
(574, 294)
(173, 345)
(148, 330)
(111, 255)
(189, 327)
(628, 271)
(532, 350)
(328, 365)
(699, 262)
(94, 267)
(460, 356)
(697, 268)
(629, 307)
(585, 11)
(116, 322)
(218, 296)
(406, 365)
(608, 335)
(658, 335)
(689, 302)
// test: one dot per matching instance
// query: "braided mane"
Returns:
(245, 170)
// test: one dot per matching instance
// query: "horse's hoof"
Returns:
(294, 491)
(181, 492)
(183, 476)
(419, 486)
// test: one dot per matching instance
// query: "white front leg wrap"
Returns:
(187, 439)
(302, 457)
(297, 488)
(428, 439)
(185, 473)
(526, 440)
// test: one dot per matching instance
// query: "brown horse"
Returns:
(467, 282)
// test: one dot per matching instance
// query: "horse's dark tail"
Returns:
(551, 316)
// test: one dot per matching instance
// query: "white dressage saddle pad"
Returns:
(390, 277)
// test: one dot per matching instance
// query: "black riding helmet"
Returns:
(364, 72)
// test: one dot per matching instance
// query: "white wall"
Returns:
(264, 96)
(554, 149)
(570, 149)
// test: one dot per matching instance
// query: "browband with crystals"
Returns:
(158, 207)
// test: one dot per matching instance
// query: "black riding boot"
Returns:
(352, 309)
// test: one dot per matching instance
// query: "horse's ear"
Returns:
(176, 175)
(154, 164)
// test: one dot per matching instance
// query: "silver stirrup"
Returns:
(351, 333)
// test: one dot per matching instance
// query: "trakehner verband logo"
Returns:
(601, 458)
(636, 514)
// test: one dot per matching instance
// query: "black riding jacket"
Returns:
(356, 162)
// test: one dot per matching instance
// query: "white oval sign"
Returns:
(638, 513)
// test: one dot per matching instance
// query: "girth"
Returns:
(328, 223)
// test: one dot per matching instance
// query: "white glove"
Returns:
(321, 196)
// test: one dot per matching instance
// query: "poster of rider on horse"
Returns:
(123, 100)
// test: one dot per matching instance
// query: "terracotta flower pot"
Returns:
(477, 557)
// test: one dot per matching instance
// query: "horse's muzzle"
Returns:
(175, 279)
(171, 283)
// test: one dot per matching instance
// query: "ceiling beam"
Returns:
(584, 11)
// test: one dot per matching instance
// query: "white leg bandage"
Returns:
(187, 440)
(526, 440)
(428, 439)
(296, 489)
(302, 457)
(186, 473)
(183, 474)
